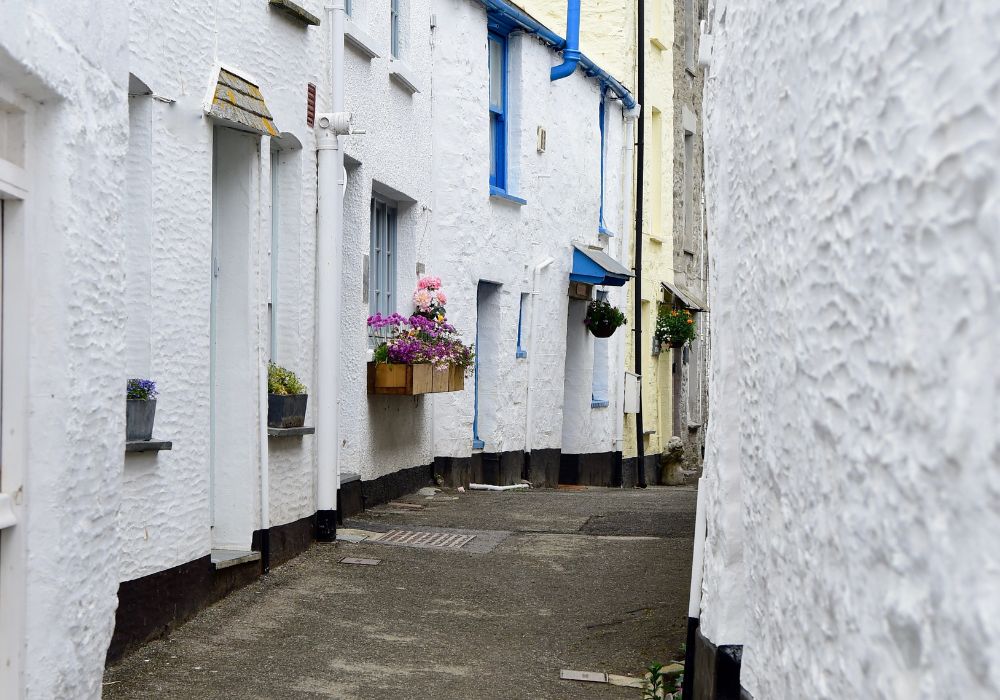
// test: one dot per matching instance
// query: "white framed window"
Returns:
(382, 258)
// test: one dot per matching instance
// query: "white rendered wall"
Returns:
(853, 453)
(483, 238)
(165, 514)
(63, 420)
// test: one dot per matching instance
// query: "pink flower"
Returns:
(429, 283)
(422, 299)
(441, 298)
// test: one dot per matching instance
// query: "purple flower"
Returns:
(141, 390)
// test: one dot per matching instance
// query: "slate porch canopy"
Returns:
(685, 297)
(240, 102)
(594, 266)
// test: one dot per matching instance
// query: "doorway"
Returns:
(233, 371)
(488, 325)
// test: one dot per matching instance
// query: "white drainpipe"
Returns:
(628, 173)
(329, 269)
(532, 326)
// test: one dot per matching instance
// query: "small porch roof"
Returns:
(685, 297)
(594, 266)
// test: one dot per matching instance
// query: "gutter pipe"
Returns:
(637, 284)
(329, 268)
(531, 25)
(571, 51)
(694, 601)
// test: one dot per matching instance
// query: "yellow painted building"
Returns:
(608, 36)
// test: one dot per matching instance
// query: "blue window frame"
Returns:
(602, 117)
(521, 351)
(498, 110)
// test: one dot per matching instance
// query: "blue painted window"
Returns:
(599, 385)
(498, 110)
(348, 7)
(602, 117)
(394, 28)
(521, 351)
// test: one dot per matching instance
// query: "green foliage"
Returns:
(663, 684)
(282, 381)
(602, 313)
(675, 326)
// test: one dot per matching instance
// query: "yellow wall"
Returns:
(607, 35)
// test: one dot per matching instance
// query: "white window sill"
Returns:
(403, 75)
(497, 193)
(7, 517)
(360, 39)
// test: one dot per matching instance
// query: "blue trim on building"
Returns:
(502, 14)
(599, 404)
(498, 193)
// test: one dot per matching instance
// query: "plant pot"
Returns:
(139, 417)
(413, 380)
(286, 411)
(675, 344)
(602, 329)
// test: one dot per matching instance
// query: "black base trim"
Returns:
(630, 474)
(392, 486)
(326, 525)
(596, 469)
(716, 673)
(280, 543)
(349, 498)
(541, 467)
(690, 663)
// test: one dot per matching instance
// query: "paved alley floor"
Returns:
(593, 580)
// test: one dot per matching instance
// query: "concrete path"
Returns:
(593, 580)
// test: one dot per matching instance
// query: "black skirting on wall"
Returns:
(600, 469)
(151, 606)
(630, 474)
(392, 486)
(541, 468)
(716, 671)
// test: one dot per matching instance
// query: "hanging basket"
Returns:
(602, 330)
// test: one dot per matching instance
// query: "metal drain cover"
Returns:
(412, 538)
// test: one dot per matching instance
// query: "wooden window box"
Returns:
(413, 380)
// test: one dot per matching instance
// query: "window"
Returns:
(689, 25)
(521, 351)
(599, 384)
(601, 112)
(394, 28)
(272, 302)
(498, 111)
(348, 7)
(382, 259)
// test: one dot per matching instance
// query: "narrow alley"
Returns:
(593, 580)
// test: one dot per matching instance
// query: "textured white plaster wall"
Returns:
(63, 422)
(173, 49)
(853, 452)
(479, 238)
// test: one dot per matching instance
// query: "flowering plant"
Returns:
(602, 315)
(675, 327)
(428, 298)
(141, 390)
(283, 381)
(426, 337)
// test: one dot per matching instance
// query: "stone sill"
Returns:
(224, 558)
(497, 193)
(600, 404)
(148, 445)
(401, 74)
(290, 432)
(358, 38)
(296, 12)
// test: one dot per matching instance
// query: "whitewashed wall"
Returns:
(853, 452)
(383, 434)
(63, 413)
(482, 238)
(165, 514)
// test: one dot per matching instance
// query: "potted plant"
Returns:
(603, 319)
(140, 409)
(286, 398)
(675, 327)
(422, 354)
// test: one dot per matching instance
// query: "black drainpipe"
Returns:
(637, 280)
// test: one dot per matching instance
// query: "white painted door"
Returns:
(234, 375)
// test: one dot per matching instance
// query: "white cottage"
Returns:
(246, 183)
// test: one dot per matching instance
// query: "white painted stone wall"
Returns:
(61, 66)
(852, 469)
(482, 238)
(166, 513)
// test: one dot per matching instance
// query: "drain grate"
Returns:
(412, 538)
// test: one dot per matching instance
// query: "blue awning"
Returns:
(594, 266)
